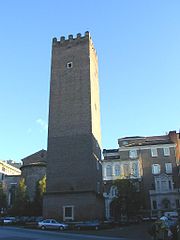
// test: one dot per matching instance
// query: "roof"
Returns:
(143, 141)
(36, 157)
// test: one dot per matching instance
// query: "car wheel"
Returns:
(61, 228)
(43, 228)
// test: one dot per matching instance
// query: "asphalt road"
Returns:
(12, 233)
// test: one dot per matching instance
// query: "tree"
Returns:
(38, 199)
(21, 203)
(129, 199)
(3, 199)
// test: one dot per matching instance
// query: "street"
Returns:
(12, 233)
(131, 232)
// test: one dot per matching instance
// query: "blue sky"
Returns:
(138, 46)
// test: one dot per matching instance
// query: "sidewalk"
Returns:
(137, 231)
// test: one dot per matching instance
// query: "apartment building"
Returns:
(154, 162)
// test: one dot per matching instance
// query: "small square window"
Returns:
(133, 153)
(69, 65)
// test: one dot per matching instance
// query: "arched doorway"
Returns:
(115, 210)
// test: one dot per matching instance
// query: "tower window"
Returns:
(69, 65)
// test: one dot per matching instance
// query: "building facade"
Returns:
(9, 175)
(119, 165)
(33, 170)
(154, 161)
(74, 173)
(7, 169)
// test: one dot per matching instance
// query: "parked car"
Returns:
(9, 220)
(88, 225)
(52, 224)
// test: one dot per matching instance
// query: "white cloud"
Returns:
(42, 124)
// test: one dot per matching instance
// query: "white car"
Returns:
(8, 220)
(52, 224)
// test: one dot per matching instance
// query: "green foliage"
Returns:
(38, 199)
(128, 201)
(3, 200)
(42, 186)
(21, 202)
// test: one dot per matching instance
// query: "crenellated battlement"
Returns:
(71, 38)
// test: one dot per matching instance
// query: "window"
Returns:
(177, 203)
(133, 153)
(126, 170)
(168, 167)
(109, 171)
(154, 152)
(3, 176)
(117, 170)
(154, 204)
(134, 169)
(166, 151)
(68, 213)
(165, 203)
(69, 65)
(156, 169)
(170, 185)
(124, 142)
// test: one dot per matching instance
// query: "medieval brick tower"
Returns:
(74, 175)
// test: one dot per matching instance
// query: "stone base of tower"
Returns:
(73, 206)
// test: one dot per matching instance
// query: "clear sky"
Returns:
(138, 46)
